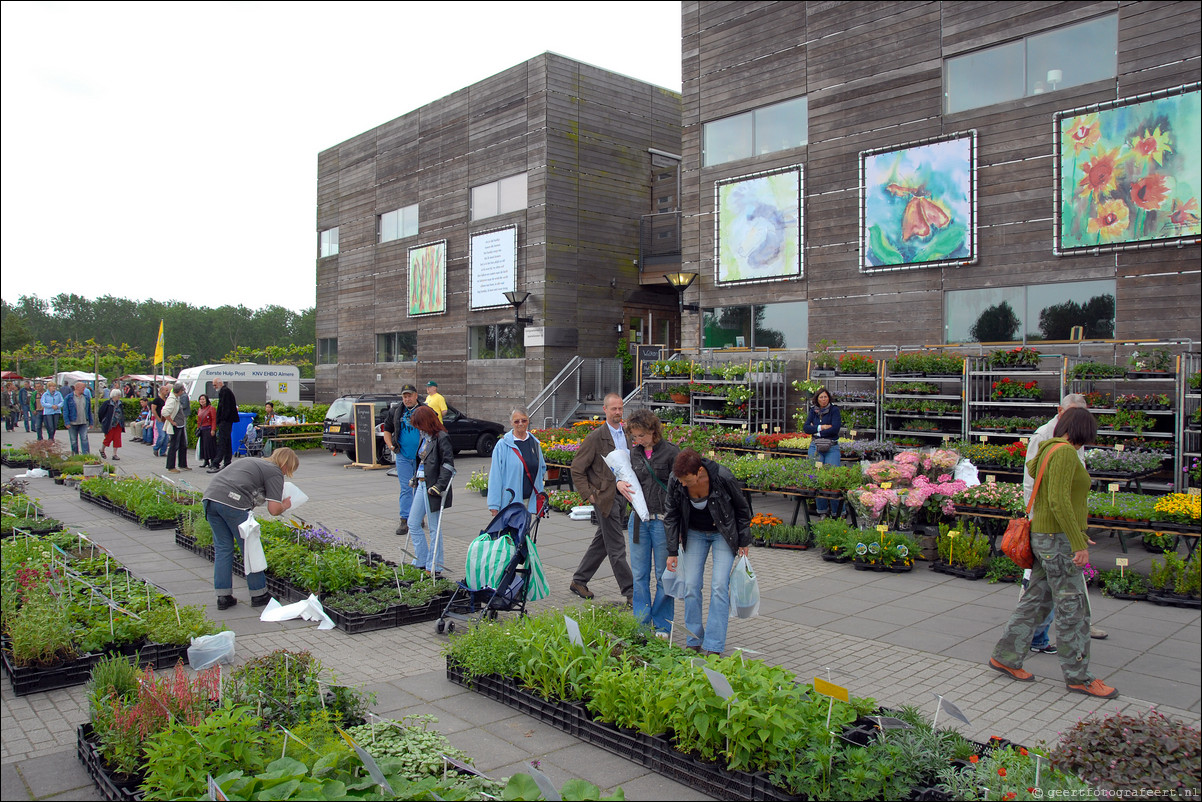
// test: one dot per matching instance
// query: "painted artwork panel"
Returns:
(428, 279)
(1131, 173)
(759, 227)
(919, 206)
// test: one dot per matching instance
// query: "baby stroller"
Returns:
(502, 567)
(252, 441)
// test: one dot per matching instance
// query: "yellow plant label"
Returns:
(954, 533)
(882, 528)
(831, 689)
(886, 485)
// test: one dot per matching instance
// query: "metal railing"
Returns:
(580, 382)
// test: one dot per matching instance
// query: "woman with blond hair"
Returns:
(230, 500)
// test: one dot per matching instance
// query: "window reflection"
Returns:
(1030, 313)
(784, 325)
(780, 126)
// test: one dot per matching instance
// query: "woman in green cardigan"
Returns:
(1061, 550)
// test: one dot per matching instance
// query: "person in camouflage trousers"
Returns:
(1061, 550)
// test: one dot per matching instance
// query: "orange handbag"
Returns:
(1016, 542)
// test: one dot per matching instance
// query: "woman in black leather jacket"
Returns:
(706, 510)
(432, 483)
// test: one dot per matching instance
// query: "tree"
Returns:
(1096, 317)
(996, 324)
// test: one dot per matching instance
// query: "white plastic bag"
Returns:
(208, 650)
(744, 590)
(296, 494)
(672, 584)
(619, 461)
(254, 560)
(966, 472)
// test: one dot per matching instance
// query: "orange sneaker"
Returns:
(1095, 687)
(1015, 673)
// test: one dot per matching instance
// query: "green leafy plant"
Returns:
(1125, 581)
(1127, 752)
(1002, 568)
(478, 481)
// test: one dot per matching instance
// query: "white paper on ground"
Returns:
(310, 610)
(34, 473)
(295, 493)
(619, 461)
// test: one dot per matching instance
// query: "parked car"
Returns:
(338, 433)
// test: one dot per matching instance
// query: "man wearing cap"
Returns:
(403, 440)
(434, 399)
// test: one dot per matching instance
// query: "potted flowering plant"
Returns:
(857, 365)
(822, 361)
(1150, 362)
(1021, 358)
(1008, 389)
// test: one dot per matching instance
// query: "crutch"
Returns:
(438, 529)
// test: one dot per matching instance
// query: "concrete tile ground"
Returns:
(897, 638)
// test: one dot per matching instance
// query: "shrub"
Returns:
(1130, 753)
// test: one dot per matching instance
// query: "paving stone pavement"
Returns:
(900, 638)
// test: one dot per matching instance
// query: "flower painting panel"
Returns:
(759, 227)
(1129, 172)
(428, 279)
(919, 204)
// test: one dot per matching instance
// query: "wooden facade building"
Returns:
(876, 74)
(583, 139)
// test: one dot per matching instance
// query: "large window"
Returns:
(396, 346)
(398, 224)
(500, 341)
(1035, 312)
(1068, 56)
(499, 197)
(327, 351)
(781, 126)
(760, 326)
(327, 242)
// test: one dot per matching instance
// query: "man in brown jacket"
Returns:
(595, 481)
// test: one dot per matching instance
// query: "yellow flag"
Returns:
(158, 346)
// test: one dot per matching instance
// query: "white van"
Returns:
(251, 383)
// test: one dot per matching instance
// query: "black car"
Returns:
(467, 433)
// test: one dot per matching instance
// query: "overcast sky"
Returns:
(169, 150)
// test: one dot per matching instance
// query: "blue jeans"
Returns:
(224, 520)
(79, 438)
(148, 433)
(831, 457)
(711, 635)
(422, 557)
(405, 468)
(161, 440)
(25, 415)
(37, 424)
(1041, 639)
(652, 547)
(50, 421)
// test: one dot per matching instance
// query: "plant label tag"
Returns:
(776, 430)
(215, 791)
(710, 454)
(818, 465)
(1113, 487)
(853, 432)
(886, 485)
(984, 438)
(460, 765)
(719, 682)
(882, 528)
(891, 723)
(1119, 447)
(1023, 441)
(952, 709)
(831, 689)
(1122, 562)
(763, 427)
(954, 533)
(990, 479)
(761, 456)
(1194, 491)
(544, 783)
(573, 630)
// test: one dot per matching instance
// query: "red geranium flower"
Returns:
(974, 759)
(1001, 772)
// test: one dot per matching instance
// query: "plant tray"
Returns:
(1127, 596)
(795, 546)
(832, 557)
(127, 514)
(116, 788)
(1174, 599)
(26, 680)
(963, 573)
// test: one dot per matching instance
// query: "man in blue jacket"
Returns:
(403, 439)
(77, 414)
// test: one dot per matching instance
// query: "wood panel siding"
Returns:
(873, 73)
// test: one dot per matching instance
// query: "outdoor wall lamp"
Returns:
(517, 298)
(680, 282)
